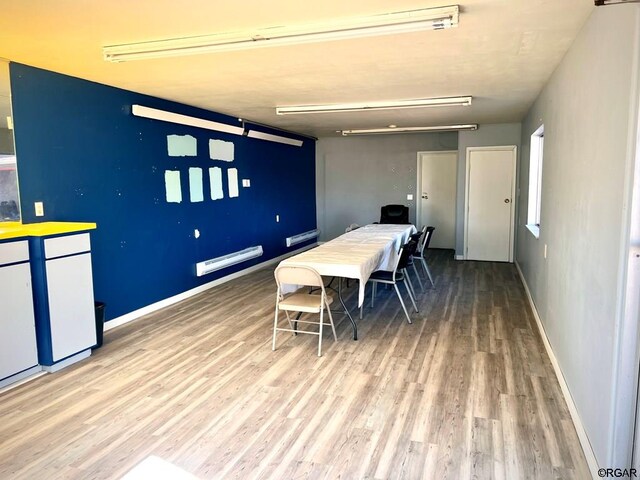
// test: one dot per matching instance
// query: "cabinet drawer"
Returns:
(14, 252)
(68, 245)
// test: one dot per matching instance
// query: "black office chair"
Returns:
(399, 274)
(395, 214)
(416, 237)
(422, 250)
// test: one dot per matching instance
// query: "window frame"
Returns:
(536, 162)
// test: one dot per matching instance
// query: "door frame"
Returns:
(506, 148)
(418, 196)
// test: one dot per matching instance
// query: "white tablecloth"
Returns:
(356, 254)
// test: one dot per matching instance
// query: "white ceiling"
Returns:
(502, 54)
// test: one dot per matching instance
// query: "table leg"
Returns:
(346, 310)
(295, 323)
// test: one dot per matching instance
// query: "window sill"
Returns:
(535, 230)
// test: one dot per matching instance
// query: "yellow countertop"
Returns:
(16, 229)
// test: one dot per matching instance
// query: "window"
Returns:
(535, 181)
(9, 202)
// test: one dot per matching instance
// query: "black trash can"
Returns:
(99, 308)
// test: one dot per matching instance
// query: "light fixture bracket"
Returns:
(603, 3)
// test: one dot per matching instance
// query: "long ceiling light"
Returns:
(382, 24)
(390, 130)
(366, 106)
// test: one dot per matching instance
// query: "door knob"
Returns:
(507, 200)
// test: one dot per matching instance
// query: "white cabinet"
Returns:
(71, 311)
(64, 299)
(18, 352)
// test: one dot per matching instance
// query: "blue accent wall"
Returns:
(82, 153)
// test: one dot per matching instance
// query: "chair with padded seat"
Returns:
(416, 237)
(394, 214)
(422, 250)
(300, 301)
(399, 274)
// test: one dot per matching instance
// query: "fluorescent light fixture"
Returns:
(274, 138)
(387, 130)
(383, 24)
(162, 115)
(384, 105)
(218, 263)
(302, 237)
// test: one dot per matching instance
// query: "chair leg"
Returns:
(320, 336)
(333, 328)
(426, 269)
(411, 296)
(374, 287)
(286, 312)
(395, 285)
(275, 328)
(415, 269)
(408, 282)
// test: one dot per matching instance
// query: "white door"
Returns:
(437, 196)
(490, 207)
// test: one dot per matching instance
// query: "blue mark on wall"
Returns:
(83, 154)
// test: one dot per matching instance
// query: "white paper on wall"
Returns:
(232, 175)
(221, 150)
(195, 185)
(182, 146)
(172, 186)
(215, 180)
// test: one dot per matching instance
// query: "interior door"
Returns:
(490, 207)
(437, 190)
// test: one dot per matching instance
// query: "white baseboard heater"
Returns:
(208, 266)
(301, 237)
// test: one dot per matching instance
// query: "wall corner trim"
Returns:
(577, 422)
(141, 312)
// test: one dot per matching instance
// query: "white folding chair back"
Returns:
(300, 275)
(301, 302)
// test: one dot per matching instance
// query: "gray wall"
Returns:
(486, 136)
(355, 176)
(587, 109)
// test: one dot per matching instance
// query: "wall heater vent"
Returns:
(208, 266)
(301, 237)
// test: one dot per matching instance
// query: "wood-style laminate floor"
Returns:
(466, 391)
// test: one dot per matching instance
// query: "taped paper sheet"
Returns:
(215, 180)
(195, 185)
(232, 174)
(172, 186)
(221, 150)
(182, 146)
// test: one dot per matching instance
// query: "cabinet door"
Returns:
(18, 350)
(71, 310)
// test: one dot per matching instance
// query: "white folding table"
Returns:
(356, 254)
